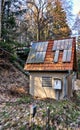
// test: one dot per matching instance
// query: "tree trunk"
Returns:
(2, 14)
(38, 33)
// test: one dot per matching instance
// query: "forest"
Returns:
(23, 22)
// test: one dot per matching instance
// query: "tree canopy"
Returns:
(34, 20)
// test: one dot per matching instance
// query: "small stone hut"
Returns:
(52, 67)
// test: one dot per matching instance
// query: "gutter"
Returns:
(69, 73)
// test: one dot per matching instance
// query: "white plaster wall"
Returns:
(36, 88)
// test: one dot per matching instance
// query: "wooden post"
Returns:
(30, 121)
(48, 119)
(32, 113)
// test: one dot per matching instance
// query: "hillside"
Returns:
(15, 104)
(12, 81)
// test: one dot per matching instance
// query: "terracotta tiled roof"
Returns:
(49, 65)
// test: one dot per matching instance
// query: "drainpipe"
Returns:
(65, 84)
(74, 76)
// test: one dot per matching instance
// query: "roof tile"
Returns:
(49, 65)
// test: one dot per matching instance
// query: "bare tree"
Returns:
(77, 23)
(37, 12)
(37, 19)
(43, 16)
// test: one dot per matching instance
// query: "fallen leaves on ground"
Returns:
(15, 106)
(15, 114)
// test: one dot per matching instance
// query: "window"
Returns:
(65, 46)
(54, 45)
(57, 84)
(67, 55)
(64, 56)
(46, 81)
(37, 52)
(56, 56)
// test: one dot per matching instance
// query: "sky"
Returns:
(76, 6)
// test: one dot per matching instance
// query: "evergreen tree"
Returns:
(60, 26)
(8, 27)
(8, 22)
